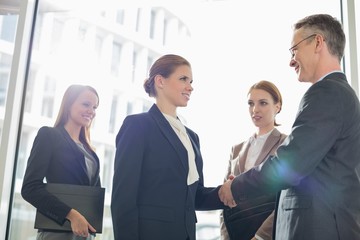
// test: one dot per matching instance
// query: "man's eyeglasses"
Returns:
(293, 48)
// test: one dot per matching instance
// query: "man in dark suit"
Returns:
(317, 167)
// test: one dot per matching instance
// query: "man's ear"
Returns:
(319, 40)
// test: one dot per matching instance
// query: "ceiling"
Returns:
(9, 7)
(13, 6)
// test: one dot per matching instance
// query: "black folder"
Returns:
(243, 221)
(87, 200)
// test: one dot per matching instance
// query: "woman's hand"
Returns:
(79, 225)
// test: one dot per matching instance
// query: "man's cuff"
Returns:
(257, 237)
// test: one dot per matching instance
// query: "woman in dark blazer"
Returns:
(63, 154)
(158, 181)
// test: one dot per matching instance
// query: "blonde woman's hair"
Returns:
(70, 96)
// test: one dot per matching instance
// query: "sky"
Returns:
(234, 45)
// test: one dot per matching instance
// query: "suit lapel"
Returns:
(242, 156)
(196, 151)
(271, 141)
(75, 149)
(68, 139)
(170, 135)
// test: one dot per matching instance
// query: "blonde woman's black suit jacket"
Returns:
(56, 157)
(150, 196)
(317, 167)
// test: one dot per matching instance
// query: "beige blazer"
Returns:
(236, 166)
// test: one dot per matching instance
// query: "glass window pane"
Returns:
(8, 24)
(5, 67)
(8, 27)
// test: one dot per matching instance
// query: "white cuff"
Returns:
(257, 237)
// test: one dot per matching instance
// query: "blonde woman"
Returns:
(64, 154)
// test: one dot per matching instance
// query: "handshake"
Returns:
(225, 193)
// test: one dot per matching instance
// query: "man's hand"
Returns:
(225, 194)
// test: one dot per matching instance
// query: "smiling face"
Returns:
(175, 90)
(263, 110)
(305, 56)
(82, 111)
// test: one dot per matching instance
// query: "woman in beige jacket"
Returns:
(265, 102)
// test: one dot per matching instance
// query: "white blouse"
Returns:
(256, 145)
(180, 131)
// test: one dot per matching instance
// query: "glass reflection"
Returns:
(107, 47)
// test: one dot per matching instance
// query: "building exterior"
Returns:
(109, 48)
